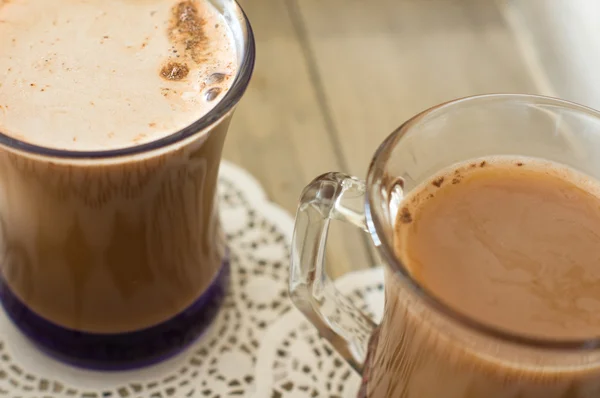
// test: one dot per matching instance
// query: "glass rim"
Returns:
(384, 246)
(224, 106)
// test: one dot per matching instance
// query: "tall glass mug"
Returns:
(423, 348)
(116, 259)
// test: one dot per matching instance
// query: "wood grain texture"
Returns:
(382, 62)
(564, 36)
(280, 131)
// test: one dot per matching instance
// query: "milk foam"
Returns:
(107, 74)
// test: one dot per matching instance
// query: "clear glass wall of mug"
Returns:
(423, 348)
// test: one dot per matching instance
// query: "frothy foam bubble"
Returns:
(107, 74)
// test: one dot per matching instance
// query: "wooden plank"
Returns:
(383, 61)
(562, 38)
(279, 132)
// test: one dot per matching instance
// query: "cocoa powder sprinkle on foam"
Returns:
(405, 216)
(438, 182)
(174, 71)
(187, 36)
(187, 30)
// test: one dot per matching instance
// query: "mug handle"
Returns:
(332, 196)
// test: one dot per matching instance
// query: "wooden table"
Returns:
(334, 77)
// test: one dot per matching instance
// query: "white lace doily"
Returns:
(297, 363)
(258, 346)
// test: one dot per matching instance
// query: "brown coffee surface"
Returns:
(511, 243)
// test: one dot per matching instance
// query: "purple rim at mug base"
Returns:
(121, 351)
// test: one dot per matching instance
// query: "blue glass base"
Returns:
(124, 350)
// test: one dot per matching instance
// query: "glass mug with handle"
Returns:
(424, 348)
